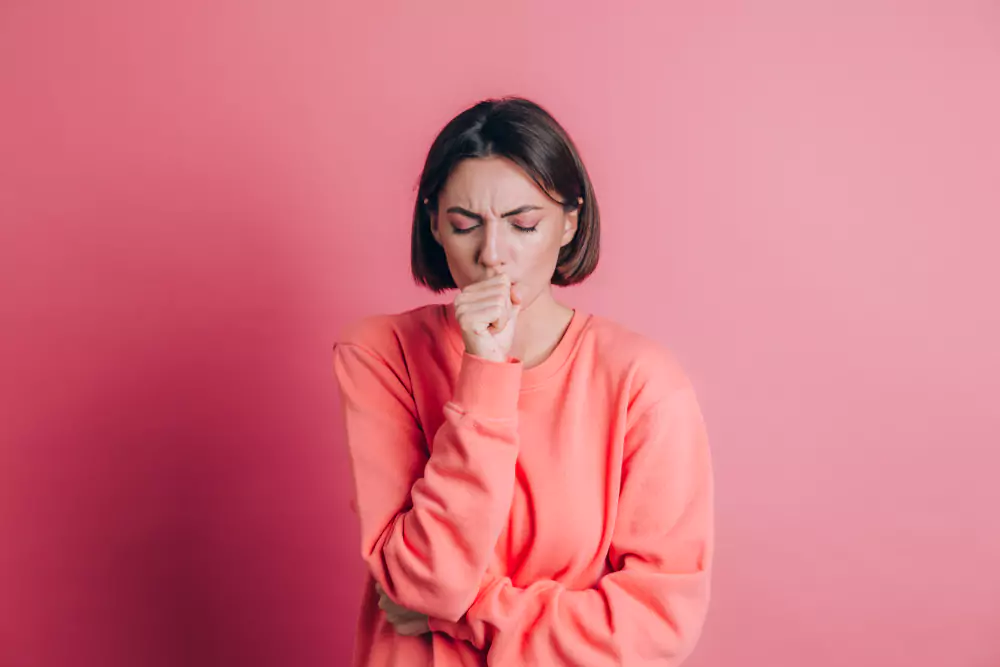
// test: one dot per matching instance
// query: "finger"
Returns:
(395, 610)
(513, 307)
(499, 300)
(413, 631)
(474, 292)
(478, 318)
(500, 323)
(392, 609)
(497, 318)
(499, 293)
(485, 323)
(404, 618)
(515, 294)
(475, 308)
(413, 628)
(501, 279)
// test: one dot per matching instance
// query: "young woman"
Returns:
(533, 483)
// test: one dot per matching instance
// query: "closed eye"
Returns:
(527, 228)
(523, 225)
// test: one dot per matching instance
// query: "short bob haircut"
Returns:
(525, 133)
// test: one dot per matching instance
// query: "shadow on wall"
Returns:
(176, 493)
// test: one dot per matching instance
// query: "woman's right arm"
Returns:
(429, 523)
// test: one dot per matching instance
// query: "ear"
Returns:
(571, 222)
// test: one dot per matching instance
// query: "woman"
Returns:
(533, 483)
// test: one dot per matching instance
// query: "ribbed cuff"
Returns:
(488, 388)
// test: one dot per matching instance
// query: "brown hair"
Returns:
(525, 133)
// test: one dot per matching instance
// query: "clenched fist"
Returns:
(406, 622)
(487, 314)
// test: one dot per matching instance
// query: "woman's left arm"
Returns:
(651, 608)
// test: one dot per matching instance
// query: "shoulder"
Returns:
(386, 335)
(658, 394)
(377, 346)
(645, 364)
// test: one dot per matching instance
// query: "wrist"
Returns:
(487, 388)
(495, 357)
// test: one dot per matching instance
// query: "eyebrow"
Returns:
(475, 216)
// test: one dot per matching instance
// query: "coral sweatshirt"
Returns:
(553, 515)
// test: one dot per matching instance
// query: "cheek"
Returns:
(461, 258)
(457, 248)
(539, 246)
(536, 255)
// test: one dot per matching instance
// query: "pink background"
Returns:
(801, 198)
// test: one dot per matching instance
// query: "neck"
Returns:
(540, 326)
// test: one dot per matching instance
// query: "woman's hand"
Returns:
(487, 314)
(406, 622)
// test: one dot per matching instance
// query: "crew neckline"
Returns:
(536, 375)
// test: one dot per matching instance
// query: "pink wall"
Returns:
(802, 198)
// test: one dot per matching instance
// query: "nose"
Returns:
(493, 253)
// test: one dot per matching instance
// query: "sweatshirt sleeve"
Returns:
(650, 609)
(429, 521)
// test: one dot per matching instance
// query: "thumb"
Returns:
(515, 295)
(511, 315)
(515, 302)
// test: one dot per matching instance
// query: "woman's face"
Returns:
(492, 218)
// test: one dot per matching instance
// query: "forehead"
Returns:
(489, 182)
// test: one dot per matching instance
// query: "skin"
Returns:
(501, 235)
(505, 306)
